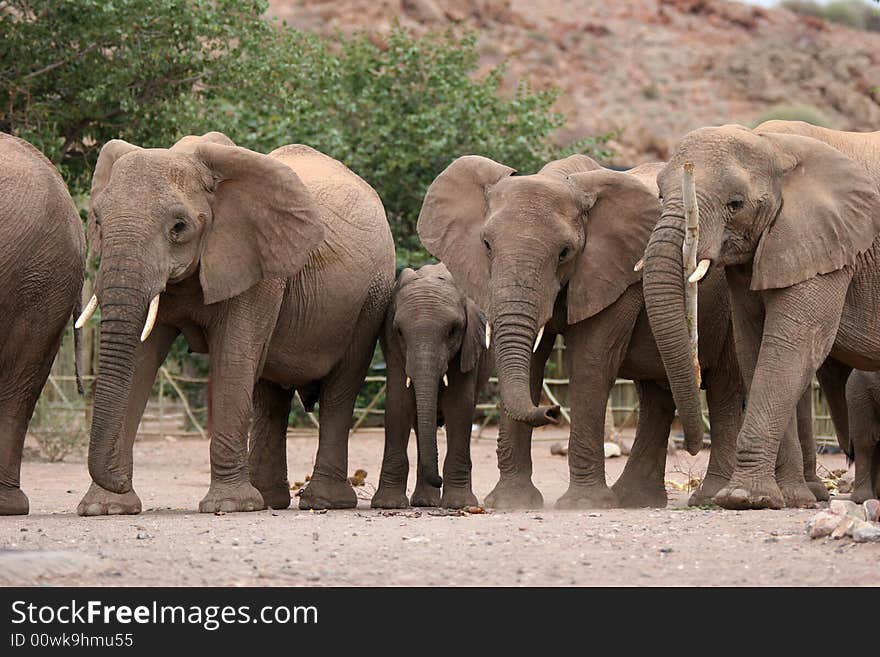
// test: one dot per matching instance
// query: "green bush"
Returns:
(857, 14)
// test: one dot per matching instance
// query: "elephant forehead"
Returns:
(430, 290)
(532, 194)
(157, 168)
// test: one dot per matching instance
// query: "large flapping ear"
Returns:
(473, 343)
(264, 224)
(452, 216)
(620, 212)
(189, 143)
(570, 165)
(111, 151)
(830, 213)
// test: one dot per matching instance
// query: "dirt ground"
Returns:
(171, 544)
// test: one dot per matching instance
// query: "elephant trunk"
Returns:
(426, 376)
(514, 331)
(663, 285)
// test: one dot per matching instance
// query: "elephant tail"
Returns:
(77, 346)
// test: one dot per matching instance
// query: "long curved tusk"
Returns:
(700, 271)
(408, 381)
(639, 265)
(445, 381)
(87, 312)
(538, 339)
(488, 334)
(151, 318)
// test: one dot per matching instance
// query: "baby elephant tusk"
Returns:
(408, 381)
(488, 334)
(700, 271)
(538, 339)
(151, 318)
(87, 312)
(639, 265)
(445, 381)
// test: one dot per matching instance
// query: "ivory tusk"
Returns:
(538, 339)
(408, 381)
(488, 334)
(700, 271)
(445, 381)
(151, 318)
(87, 312)
(639, 265)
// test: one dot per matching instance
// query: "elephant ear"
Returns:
(264, 224)
(830, 214)
(110, 152)
(570, 165)
(620, 212)
(452, 216)
(189, 143)
(473, 343)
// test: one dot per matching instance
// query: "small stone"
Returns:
(143, 536)
(866, 532)
(259, 541)
(846, 507)
(611, 450)
(823, 523)
(872, 510)
(665, 550)
(844, 527)
(558, 449)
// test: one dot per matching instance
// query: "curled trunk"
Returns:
(663, 284)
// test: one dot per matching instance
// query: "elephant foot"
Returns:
(750, 493)
(230, 498)
(710, 487)
(588, 497)
(425, 495)
(101, 502)
(798, 495)
(276, 497)
(13, 502)
(817, 488)
(515, 493)
(862, 493)
(389, 498)
(325, 493)
(638, 496)
(458, 498)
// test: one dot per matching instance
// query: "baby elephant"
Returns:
(863, 402)
(434, 346)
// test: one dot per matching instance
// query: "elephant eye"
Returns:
(735, 205)
(178, 228)
(564, 254)
(487, 245)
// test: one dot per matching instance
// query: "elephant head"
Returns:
(515, 243)
(791, 206)
(436, 327)
(204, 208)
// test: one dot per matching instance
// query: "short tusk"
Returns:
(700, 271)
(151, 318)
(408, 381)
(445, 380)
(538, 339)
(639, 265)
(87, 312)
(488, 334)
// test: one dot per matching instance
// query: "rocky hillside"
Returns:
(649, 70)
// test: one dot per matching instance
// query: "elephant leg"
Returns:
(864, 427)
(725, 396)
(399, 419)
(642, 482)
(101, 502)
(808, 445)
(26, 356)
(799, 330)
(789, 470)
(515, 489)
(267, 457)
(329, 487)
(457, 403)
(832, 378)
(594, 351)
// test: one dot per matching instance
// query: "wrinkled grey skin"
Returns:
(431, 330)
(791, 212)
(280, 266)
(863, 400)
(42, 264)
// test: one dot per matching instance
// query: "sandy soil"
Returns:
(178, 546)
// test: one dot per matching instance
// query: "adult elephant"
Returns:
(791, 213)
(280, 266)
(553, 253)
(41, 276)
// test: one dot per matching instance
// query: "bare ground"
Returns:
(364, 547)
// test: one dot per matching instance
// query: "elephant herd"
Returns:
(282, 267)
